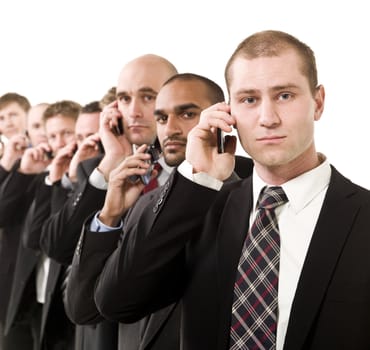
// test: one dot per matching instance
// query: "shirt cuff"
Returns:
(97, 180)
(97, 226)
(203, 179)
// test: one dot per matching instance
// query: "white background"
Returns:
(74, 49)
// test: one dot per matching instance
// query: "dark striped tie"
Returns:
(255, 306)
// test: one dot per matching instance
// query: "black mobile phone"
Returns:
(100, 147)
(220, 141)
(118, 130)
(155, 152)
(49, 154)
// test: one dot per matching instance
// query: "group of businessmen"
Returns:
(214, 258)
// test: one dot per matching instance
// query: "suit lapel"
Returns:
(331, 231)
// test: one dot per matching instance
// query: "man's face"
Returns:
(12, 119)
(35, 124)
(60, 130)
(274, 109)
(137, 89)
(87, 124)
(178, 107)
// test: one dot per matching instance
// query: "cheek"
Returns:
(161, 133)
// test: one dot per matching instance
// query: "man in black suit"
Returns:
(26, 184)
(184, 248)
(138, 84)
(178, 106)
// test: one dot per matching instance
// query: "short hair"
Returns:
(92, 107)
(108, 97)
(12, 97)
(66, 108)
(215, 93)
(271, 43)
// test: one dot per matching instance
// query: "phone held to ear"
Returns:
(155, 152)
(220, 141)
(118, 130)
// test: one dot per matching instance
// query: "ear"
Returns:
(320, 101)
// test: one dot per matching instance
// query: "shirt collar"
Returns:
(302, 189)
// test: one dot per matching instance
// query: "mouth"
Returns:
(174, 144)
(271, 139)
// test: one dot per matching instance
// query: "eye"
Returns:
(124, 98)
(149, 98)
(249, 100)
(189, 115)
(284, 96)
(161, 119)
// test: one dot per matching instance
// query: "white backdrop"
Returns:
(74, 49)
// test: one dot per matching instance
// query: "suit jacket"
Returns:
(60, 231)
(16, 195)
(192, 251)
(92, 253)
(23, 292)
(59, 236)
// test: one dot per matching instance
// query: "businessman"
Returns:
(285, 270)
(178, 106)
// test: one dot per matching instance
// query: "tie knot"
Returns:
(157, 166)
(272, 197)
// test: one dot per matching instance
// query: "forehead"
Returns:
(36, 113)
(138, 75)
(181, 92)
(12, 106)
(59, 122)
(264, 72)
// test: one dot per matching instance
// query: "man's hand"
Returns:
(60, 164)
(34, 160)
(201, 149)
(122, 193)
(117, 147)
(87, 149)
(13, 150)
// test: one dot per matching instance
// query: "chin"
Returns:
(172, 160)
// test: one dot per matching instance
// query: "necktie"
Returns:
(255, 306)
(153, 182)
(65, 277)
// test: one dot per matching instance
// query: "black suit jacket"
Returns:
(59, 236)
(92, 253)
(192, 251)
(16, 195)
(60, 231)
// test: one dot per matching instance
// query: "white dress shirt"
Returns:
(296, 219)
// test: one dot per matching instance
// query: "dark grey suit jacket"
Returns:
(95, 249)
(192, 249)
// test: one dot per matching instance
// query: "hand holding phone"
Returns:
(220, 141)
(118, 129)
(155, 152)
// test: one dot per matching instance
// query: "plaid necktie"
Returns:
(255, 306)
(153, 182)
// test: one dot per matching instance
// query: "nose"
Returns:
(8, 121)
(60, 141)
(135, 109)
(269, 116)
(172, 127)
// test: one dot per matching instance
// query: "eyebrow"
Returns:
(145, 89)
(274, 88)
(178, 109)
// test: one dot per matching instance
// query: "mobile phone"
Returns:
(100, 147)
(220, 141)
(118, 130)
(155, 152)
(49, 154)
